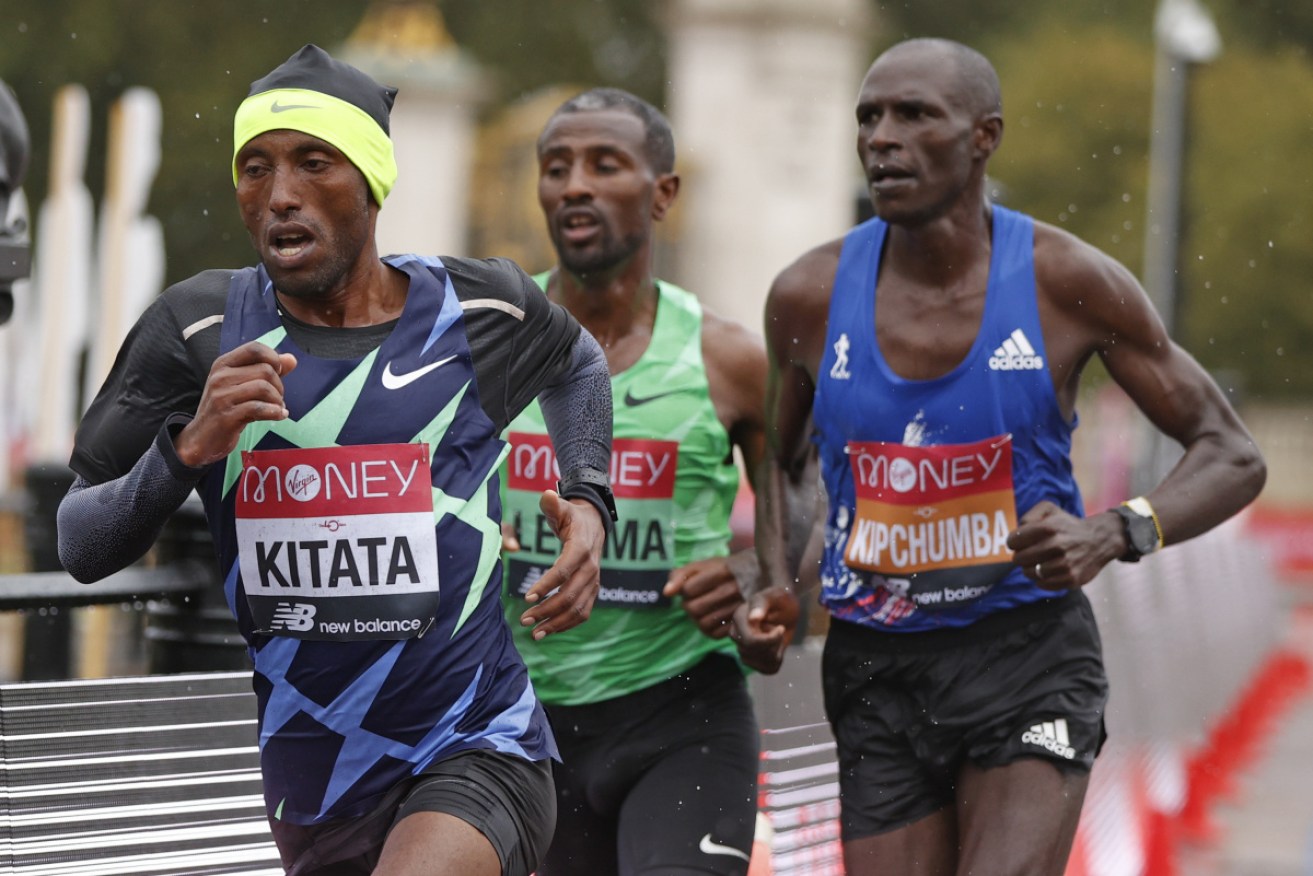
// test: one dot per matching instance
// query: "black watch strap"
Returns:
(592, 486)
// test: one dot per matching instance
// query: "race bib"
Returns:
(338, 543)
(640, 552)
(933, 522)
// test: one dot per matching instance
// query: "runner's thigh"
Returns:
(694, 810)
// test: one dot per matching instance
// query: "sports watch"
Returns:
(1143, 533)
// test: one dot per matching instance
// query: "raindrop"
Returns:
(1269, 244)
(1117, 150)
(1126, 197)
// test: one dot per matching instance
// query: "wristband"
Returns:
(594, 487)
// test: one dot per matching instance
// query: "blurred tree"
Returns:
(1270, 23)
(533, 45)
(1248, 302)
(199, 58)
(1077, 90)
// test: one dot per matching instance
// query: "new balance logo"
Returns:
(1016, 354)
(293, 616)
(1051, 735)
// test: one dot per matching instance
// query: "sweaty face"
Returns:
(596, 188)
(307, 210)
(915, 136)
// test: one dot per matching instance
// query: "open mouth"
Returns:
(289, 245)
(579, 225)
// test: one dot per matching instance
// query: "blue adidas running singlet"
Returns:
(926, 478)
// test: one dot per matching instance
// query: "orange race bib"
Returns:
(933, 520)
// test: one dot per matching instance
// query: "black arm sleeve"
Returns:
(160, 369)
(108, 526)
(578, 409)
(520, 341)
(129, 478)
(524, 346)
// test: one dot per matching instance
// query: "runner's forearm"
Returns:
(106, 527)
(577, 410)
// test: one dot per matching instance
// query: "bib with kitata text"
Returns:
(338, 543)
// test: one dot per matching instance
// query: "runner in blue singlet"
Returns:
(938, 349)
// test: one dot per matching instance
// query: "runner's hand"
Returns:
(563, 597)
(763, 628)
(510, 539)
(710, 591)
(245, 385)
(1060, 551)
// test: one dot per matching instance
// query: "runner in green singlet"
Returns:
(657, 734)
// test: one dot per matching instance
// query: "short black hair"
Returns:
(977, 81)
(658, 140)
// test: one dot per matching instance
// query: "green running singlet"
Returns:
(674, 481)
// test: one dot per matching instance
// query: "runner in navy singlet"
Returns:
(339, 415)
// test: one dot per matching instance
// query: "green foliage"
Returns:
(1078, 92)
(200, 58)
(590, 42)
(1247, 259)
(1076, 132)
(1077, 80)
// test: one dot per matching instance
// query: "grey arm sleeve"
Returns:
(577, 408)
(105, 527)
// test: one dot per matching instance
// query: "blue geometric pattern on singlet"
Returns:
(860, 398)
(343, 722)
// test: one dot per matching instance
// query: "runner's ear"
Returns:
(667, 189)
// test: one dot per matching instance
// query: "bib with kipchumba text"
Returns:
(933, 521)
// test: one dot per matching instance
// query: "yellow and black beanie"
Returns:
(317, 95)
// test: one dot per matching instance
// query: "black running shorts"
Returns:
(509, 800)
(909, 710)
(663, 780)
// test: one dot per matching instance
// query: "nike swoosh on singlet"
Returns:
(277, 107)
(707, 847)
(634, 401)
(396, 381)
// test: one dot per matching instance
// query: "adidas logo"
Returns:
(1051, 735)
(1016, 354)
